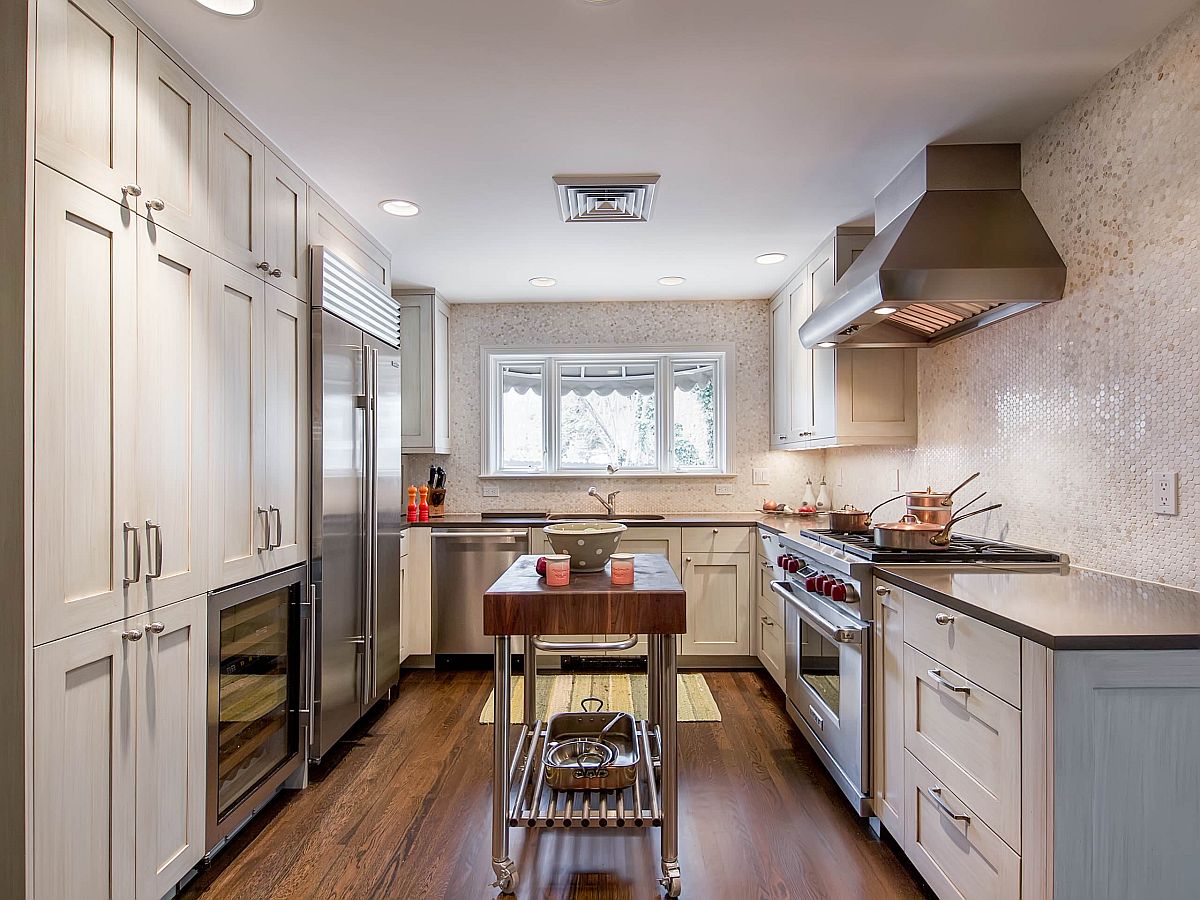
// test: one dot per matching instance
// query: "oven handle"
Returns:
(841, 634)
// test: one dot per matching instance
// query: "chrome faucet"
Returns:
(610, 504)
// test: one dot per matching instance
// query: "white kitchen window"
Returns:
(643, 412)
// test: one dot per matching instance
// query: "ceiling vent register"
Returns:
(606, 198)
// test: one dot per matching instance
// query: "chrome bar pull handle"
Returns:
(273, 511)
(936, 675)
(126, 530)
(156, 628)
(935, 795)
(264, 516)
(156, 572)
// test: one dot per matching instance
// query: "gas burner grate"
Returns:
(963, 548)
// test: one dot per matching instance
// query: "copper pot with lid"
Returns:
(852, 520)
(934, 507)
(912, 534)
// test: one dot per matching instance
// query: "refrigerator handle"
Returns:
(370, 465)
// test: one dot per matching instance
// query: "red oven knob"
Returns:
(828, 586)
(793, 564)
(779, 561)
(839, 591)
(811, 583)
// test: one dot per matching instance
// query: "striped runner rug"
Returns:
(563, 693)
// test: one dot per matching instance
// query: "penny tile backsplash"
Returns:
(1068, 410)
(745, 324)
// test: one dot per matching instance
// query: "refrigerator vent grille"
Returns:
(339, 288)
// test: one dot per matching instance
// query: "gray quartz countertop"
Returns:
(1078, 609)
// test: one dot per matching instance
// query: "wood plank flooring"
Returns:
(403, 810)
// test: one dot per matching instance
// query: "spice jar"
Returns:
(621, 568)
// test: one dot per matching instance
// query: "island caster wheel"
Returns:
(506, 879)
(673, 885)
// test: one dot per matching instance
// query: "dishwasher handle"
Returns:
(480, 534)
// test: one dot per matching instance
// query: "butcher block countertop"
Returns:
(520, 602)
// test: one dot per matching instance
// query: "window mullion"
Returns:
(666, 416)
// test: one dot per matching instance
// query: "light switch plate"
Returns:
(724, 490)
(491, 490)
(1165, 486)
(761, 476)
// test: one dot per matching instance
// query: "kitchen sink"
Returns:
(604, 517)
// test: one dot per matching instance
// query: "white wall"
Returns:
(1068, 409)
(742, 323)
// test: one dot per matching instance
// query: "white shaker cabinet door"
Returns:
(84, 745)
(285, 492)
(172, 145)
(236, 167)
(172, 420)
(171, 721)
(86, 94)
(718, 604)
(239, 528)
(781, 377)
(286, 228)
(87, 560)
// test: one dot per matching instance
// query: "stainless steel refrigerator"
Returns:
(358, 505)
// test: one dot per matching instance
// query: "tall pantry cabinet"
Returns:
(166, 349)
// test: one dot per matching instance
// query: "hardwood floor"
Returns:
(403, 810)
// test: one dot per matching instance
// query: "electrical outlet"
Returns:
(491, 490)
(724, 490)
(761, 476)
(1165, 486)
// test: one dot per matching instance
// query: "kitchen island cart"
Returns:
(522, 604)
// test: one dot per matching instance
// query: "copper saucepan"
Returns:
(911, 534)
(852, 520)
(934, 507)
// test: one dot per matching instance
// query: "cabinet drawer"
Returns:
(717, 539)
(769, 629)
(764, 574)
(960, 857)
(404, 543)
(969, 738)
(988, 656)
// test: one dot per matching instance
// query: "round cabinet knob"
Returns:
(131, 190)
(134, 634)
(155, 205)
(264, 266)
(687, 559)
(276, 273)
(943, 619)
(882, 591)
(156, 628)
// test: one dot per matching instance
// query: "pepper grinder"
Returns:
(423, 508)
(412, 503)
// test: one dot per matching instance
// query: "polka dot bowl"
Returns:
(589, 544)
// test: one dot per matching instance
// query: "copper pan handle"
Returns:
(871, 514)
(942, 538)
(948, 501)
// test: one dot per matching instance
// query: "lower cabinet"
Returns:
(718, 604)
(887, 699)
(770, 643)
(118, 752)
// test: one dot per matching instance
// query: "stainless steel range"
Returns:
(829, 610)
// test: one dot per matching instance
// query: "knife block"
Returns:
(437, 503)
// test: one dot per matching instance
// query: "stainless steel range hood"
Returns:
(957, 247)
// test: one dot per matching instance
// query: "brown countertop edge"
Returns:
(776, 524)
(1094, 610)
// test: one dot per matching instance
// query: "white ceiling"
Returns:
(770, 121)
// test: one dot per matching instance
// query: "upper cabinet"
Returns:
(286, 228)
(425, 372)
(329, 228)
(237, 169)
(86, 94)
(835, 398)
(172, 145)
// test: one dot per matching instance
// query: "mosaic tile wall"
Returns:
(745, 324)
(1068, 409)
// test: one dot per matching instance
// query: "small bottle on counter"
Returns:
(809, 499)
(823, 501)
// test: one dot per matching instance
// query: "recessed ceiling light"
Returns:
(671, 280)
(399, 207)
(233, 8)
(884, 310)
(543, 281)
(769, 259)
(827, 344)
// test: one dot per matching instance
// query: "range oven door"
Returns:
(826, 684)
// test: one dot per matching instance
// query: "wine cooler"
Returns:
(258, 634)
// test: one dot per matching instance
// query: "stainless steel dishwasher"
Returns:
(465, 564)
